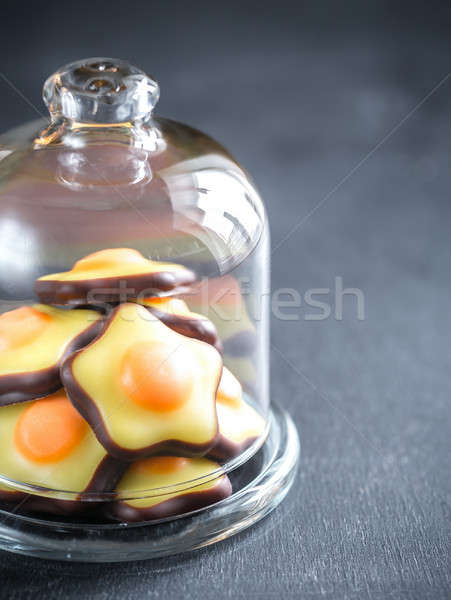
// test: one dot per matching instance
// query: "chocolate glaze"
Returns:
(87, 407)
(108, 289)
(179, 505)
(199, 328)
(20, 387)
(105, 479)
(11, 497)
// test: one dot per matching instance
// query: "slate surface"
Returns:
(321, 103)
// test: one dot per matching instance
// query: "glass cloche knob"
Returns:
(100, 90)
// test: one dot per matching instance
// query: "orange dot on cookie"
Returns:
(49, 429)
(21, 326)
(157, 376)
(173, 306)
(108, 258)
(161, 465)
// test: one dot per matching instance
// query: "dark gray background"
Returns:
(301, 94)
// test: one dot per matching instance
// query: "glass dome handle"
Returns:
(100, 91)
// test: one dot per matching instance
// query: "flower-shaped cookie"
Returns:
(47, 443)
(34, 340)
(144, 388)
(174, 490)
(111, 275)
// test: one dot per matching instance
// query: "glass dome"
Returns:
(134, 286)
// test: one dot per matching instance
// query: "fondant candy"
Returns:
(172, 493)
(111, 275)
(144, 388)
(34, 340)
(47, 443)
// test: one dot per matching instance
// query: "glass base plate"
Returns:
(259, 486)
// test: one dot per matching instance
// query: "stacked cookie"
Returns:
(110, 387)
